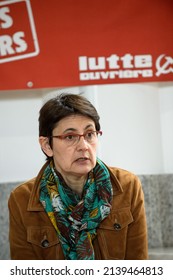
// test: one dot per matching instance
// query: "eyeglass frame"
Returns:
(62, 137)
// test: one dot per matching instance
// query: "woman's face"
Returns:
(74, 159)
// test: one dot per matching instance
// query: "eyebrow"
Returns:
(71, 129)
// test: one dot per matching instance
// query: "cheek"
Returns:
(62, 156)
(94, 148)
(93, 152)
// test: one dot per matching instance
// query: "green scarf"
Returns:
(76, 219)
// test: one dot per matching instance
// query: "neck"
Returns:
(76, 184)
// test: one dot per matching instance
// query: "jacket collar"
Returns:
(34, 203)
(117, 188)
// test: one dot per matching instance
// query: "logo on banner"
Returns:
(164, 65)
(18, 39)
(114, 66)
(123, 67)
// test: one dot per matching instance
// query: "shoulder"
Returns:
(122, 174)
(127, 189)
(125, 179)
(23, 190)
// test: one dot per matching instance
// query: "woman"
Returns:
(76, 207)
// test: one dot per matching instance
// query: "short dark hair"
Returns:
(64, 105)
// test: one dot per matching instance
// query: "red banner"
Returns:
(61, 43)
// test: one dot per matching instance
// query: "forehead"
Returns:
(75, 122)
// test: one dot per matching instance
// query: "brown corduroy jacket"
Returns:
(122, 235)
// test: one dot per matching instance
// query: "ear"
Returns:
(44, 143)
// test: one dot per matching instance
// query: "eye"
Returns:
(90, 134)
(70, 137)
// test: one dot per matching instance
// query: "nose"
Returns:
(82, 143)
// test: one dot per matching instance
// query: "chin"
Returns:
(83, 170)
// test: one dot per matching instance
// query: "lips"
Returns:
(82, 159)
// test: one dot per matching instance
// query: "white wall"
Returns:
(166, 116)
(20, 155)
(136, 120)
(136, 124)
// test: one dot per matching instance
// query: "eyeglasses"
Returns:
(71, 139)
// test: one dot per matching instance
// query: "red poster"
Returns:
(59, 43)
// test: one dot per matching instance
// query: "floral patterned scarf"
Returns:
(76, 219)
